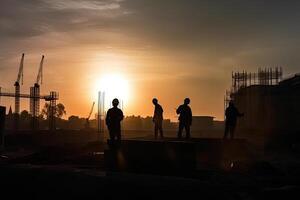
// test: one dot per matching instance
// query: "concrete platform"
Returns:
(173, 156)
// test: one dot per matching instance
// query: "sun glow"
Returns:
(114, 86)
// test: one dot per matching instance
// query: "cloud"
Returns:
(22, 19)
(84, 4)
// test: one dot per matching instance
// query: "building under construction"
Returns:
(270, 103)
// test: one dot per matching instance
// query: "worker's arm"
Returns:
(121, 115)
(178, 110)
(107, 118)
(190, 115)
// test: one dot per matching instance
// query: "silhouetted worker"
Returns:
(114, 116)
(185, 118)
(158, 118)
(231, 115)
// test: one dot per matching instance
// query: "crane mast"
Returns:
(87, 123)
(35, 93)
(17, 85)
(39, 77)
(91, 111)
(20, 74)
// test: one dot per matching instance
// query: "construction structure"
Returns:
(35, 93)
(202, 123)
(266, 76)
(269, 102)
(34, 98)
(87, 120)
(19, 81)
(263, 77)
(101, 112)
(17, 85)
(51, 98)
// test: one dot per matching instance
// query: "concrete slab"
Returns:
(172, 156)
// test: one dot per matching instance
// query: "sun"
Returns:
(114, 86)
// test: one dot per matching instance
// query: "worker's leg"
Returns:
(232, 130)
(188, 131)
(161, 130)
(155, 130)
(118, 135)
(111, 137)
(180, 128)
(226, 131)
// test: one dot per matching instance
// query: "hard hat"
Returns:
(154, 100)
(115, 102)
(187, 100)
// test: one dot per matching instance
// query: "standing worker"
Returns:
(185, 118)
(113, 120)
(231, 115)
(158, 118)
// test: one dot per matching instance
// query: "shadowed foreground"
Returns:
(77, 171)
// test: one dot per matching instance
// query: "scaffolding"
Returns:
(266, 76)
(52, 98)
(35, 98)
(34, 106)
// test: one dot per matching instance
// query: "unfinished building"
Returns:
(271, 104)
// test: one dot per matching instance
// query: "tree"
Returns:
(59, 110)
(25, 115)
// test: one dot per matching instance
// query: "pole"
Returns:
(99, 115)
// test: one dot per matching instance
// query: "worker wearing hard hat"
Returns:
(185, 118)
(157, 118)
(113, 120)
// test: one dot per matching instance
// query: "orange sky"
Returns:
(75, 75)
(164, 49)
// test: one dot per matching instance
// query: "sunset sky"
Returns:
(169, 49)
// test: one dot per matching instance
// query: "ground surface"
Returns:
(76, 171)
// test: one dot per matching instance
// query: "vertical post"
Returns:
(2, 125)
(17, 106)
(99, 110)
(35, 105)
(52, 111)
(103, 112)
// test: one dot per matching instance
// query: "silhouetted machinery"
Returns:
(34, 97)
(17, 85)
(87, 122)
(35, 93)
(17, 92)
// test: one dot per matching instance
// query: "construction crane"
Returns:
(39, 77)
(35, 93)
(17, 85)
(87, 123)
(34, 96)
